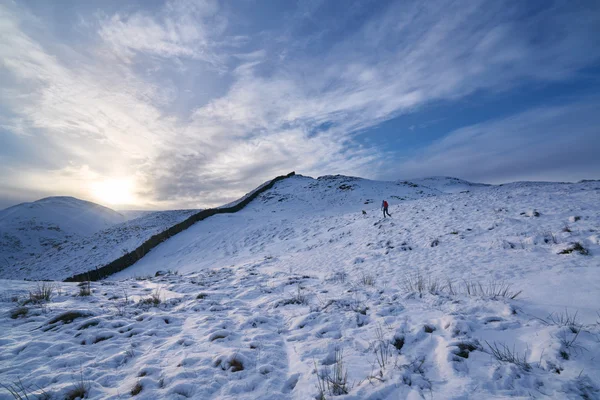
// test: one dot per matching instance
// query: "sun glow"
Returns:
(114, 191)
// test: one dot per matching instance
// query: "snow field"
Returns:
(302, 296)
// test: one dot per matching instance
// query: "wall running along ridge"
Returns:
(134, 256)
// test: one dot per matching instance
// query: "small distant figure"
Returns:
(384, 207)
(364, 212)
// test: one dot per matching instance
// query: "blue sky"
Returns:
(169, 104)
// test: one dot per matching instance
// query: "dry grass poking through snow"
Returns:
(422, 284)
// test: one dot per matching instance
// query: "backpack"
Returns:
(385, 204)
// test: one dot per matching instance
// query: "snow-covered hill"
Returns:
(83, 253)
(482, 292)
(447, 184)
(29, 229)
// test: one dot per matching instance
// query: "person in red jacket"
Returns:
(384, 207)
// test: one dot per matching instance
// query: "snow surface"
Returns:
(258, 303)
(29, 229)
(81, 254)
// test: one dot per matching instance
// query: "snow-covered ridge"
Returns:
(29, 229)
(258, 300)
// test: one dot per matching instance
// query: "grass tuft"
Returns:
(367, 280)
(502, 352)
(68, 317)
(19, 312)
(334, 381)
(43, 292)
(80, 389)
(85, 289)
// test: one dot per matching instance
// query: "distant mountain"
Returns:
(29, 229)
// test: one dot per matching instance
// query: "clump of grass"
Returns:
(43, 292)
(398, 342)
(298, 298)
(334, 381)
(563, 319)
(501, 352)
(493, 289)
(367, 280)
(136, 389)
(577, 247)
(421, 284)
(464, 348)
(19, 312)
(85, 289)
(79, 390)
(201, 296)
(68, 317)
(383, 350)
(155, 298)
(339, 277)
(19, 391)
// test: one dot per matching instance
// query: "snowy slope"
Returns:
(80, 254)
(447, 184)
(29, 229)
(263, 299)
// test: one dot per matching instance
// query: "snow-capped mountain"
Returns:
(490, 291)
(29, 229)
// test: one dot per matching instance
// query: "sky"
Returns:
(185, 104)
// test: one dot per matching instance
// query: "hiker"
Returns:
(384, 207)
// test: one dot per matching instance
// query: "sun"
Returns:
(114, 191)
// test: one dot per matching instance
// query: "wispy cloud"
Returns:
(294, 97)
(562, 140)
(188, 29)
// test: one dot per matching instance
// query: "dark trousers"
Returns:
(385, 211)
